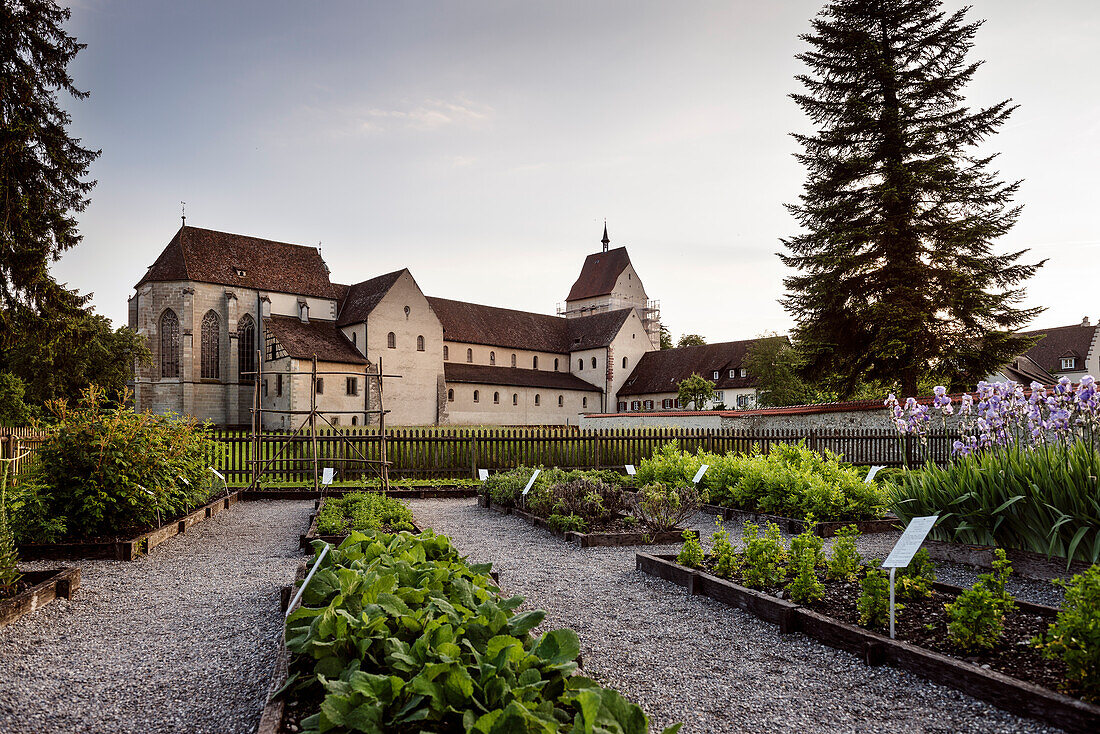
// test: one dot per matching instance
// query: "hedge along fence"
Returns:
(441, 453)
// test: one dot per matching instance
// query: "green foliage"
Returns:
(793, 481)
(669, 465)
(1041, 500)
(105, 470)
(691, 553)
(805, 587)
(976, 617)
(843, 564)
(13, 409)
(9, 557)
(568, 523)
(663, 508)
(666, 337)
(398, 633)
(774, 366)
(895, 270)
(873, 604)
(695, 392)
(691, 340)
(363, 511)
(726, 559)
(915, 580)
(1074, 637)
(764, 557)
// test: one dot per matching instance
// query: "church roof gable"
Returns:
(600, 272)
(319, 339)
(362, 298)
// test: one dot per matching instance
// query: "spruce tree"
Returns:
(42, 168)
(896, 274)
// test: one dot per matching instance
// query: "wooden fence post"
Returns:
(471, 447)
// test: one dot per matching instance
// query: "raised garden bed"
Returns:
(1024, 563)
(298, 493)
(312, 534)
(1004, 691)
(794, 526)
(40, 588)
(128, 550)
(589, 540)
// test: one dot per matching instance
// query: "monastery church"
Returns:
(214, 302)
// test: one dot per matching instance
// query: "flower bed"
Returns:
(38, 588)
(364, 512)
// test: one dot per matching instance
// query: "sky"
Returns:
(483, 144)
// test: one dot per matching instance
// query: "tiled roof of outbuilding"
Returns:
(597, 330)
(1062, 341)
(315, 338)
(481, 374)
(361, 298)
(661, 371)
(208, 256)
(599, 273)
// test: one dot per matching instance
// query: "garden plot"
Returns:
(363, 512)
(36, 589)
(695, 660)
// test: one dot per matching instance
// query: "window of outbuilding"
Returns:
(352, 386)
(420, 344)
(446, 353)
(391, 341)
(169, 344)
(538, 399)
(593, 363)
(355, 420)
(515, 398)
(580, 365)
(496, 398)
(492, 357)
(320, 386)
(477, 396)
(451, 395)
(715, 376)
(1068, 363)
(561, 400)
(622, 406)
(624, 363)
(211, 350)
(584, 402)
(555, 365)
(513, 360)
(469, 355)
(535, 362)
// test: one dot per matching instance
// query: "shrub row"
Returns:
(363, 511)
(398, 633)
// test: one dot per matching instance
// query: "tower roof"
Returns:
(598, 275)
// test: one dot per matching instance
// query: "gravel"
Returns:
(695, 660)
(182, 640)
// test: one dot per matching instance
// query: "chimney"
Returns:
(1085, 321)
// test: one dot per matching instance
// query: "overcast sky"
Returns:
(482, 144)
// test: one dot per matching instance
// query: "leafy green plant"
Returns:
(1074, 636)
(398, 633)
(976, 617)
(568, 523)
(726, 559)
(363, 511)
(9, 558)
(915, 580)
(671, 466)
(873, 604)
(764, 557)
(691, 553)
(844, 560)
(663, 508)
(805, 587)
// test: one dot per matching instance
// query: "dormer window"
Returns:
(716, 374)
(241, 273)
(733, 373)
(744, 372)
(303, 312)
(1069, 363)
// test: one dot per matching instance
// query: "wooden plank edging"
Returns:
(52, 584)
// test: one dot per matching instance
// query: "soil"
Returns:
(923, 622)
(297, 707)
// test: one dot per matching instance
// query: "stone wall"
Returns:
(494, 405)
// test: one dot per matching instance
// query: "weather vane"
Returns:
(183, 212)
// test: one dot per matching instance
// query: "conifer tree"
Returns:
(896, 274)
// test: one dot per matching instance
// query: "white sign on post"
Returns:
(531, 482)
(218, 474)
(904, 550)
(631, 470)
(326, 476)
(699, 474)
(483, 474)
(871, 474)
(184, 480)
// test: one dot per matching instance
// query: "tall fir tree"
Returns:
(896, 274)
(43, 169)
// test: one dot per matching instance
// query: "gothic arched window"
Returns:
(210, 346)
(246, 348)
(169, 344)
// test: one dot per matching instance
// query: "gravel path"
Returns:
(182, 640)
(695, 660)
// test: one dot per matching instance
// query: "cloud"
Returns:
(426, 116)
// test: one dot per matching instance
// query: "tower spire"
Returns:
(606, 240)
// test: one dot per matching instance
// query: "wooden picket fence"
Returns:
(441, 453)
(20, 444)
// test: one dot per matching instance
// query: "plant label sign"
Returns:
(483, 474)
(326, 477)
(218, 474)
(910, 541)
(699, 474)
(871, 474)
(631, 470)
(531, 482)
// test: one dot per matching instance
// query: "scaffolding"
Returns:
(260, 465)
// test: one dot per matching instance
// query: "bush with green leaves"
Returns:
(363, 511)
(873, 604)
(663, 508)
(9, 558)
(568, 523)
(844, 559)
(976, 617)
(398, 633)
(691, 553)
(1074, 636)
(105, 470)
(915, 580)
(805, 587)
(764, 558)
(671, 466)
(726, 559)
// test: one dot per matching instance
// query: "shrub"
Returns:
(504, 487)
(363, 511)
(9, 558)
(105, 470)
(873, 604)
(976, 617)
(671, 466)
(805, 587)
(663, 508)
(763, 559)
(591, 499)
(691, 553)
(726, 561)
(915, 580)
(843, 564)
(568, 523)
(1074, 637)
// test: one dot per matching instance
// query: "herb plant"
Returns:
(915, 580)
(1074, 637)
(568, 523)
(976, 617)
(664, 507)
(873, 604)
(365, 512)
(764, 556)
(691, 553)
(726, 561)
(843, 563)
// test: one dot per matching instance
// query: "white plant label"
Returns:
(910, 541)
(531, 482)
(871, 474)
(631, 470)
(699, 474)
(184, 480)
(326, 476)
(483, 474)
(218, 474)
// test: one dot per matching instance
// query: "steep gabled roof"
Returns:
(599, 273)
(481, 374)
(1062, 341)
(315, 338)
(662, 371)
(362, 298)
(208, 256)
(1024, 371)
(597, 330)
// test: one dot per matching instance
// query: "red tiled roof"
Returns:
(599, 273)
(488, 375)
(315, 338)
(661, 371)
(207, 256)
(1062, 341)
(361, 298)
